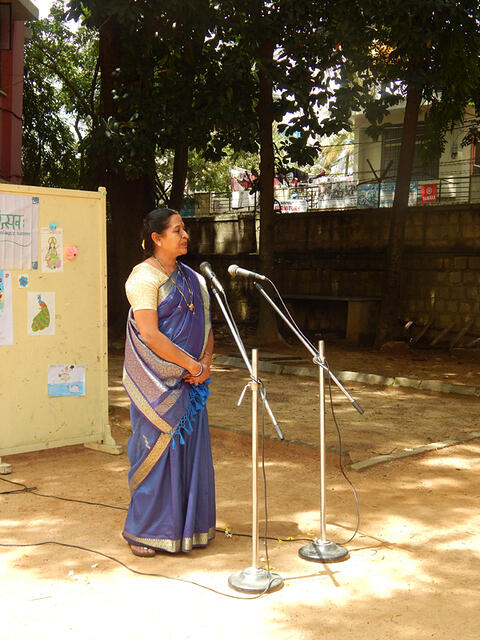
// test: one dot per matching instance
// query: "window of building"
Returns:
(5, 25)
(391, 141)
(476, 159)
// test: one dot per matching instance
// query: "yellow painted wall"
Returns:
(30, 419)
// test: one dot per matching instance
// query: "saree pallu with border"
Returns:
(171, 477)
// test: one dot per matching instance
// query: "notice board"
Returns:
(53, 320)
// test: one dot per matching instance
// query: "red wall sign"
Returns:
(429, 192)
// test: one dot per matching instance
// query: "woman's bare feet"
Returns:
(142, 552)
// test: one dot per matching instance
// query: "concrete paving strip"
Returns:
(309, 371)
(370, 462)
(304, 370)
(431, 386)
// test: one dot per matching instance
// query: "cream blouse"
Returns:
(147, 286)
(144, 287)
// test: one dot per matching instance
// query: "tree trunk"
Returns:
(192, 52)
(127, 200)
(267, 330)
(179, 177)
(392, 280)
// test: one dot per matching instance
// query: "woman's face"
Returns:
(174, 239)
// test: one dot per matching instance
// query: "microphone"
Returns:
(235, 270)
(207, 271)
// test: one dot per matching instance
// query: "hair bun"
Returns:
(156, 221)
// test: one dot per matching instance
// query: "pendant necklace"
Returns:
(190, 304)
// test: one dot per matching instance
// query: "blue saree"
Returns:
(171, 477)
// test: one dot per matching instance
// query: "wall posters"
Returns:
(41, 313)
(66, 380)
(18, 231)
(6, 309)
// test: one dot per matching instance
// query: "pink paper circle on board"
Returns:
(71, 252)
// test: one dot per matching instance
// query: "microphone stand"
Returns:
(320, 550)
(253, 579)
(244, 355)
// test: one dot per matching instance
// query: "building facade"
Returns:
(453, 178)
(13, 16)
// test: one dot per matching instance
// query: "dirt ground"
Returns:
(395, 419)
(411, 570)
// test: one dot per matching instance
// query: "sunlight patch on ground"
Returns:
(11, 523)
(40, 522)
(446, 461)
(473, 546)
(308, 522)
(442, 484)
(399, 529)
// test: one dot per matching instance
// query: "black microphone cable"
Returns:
(263, 395)
(33, 490)
(26, 489)
(290, 317)
(340, 449)
(340, 464)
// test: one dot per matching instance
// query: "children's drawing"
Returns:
(42, 319)
(6, 309)
(52, 258)
(52, 249)
(2, 290)
(41, 313)
(66, 380)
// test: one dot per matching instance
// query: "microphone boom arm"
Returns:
(316, 356)
(243, 352)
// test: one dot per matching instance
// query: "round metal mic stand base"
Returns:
(323, 551)
(252, 580)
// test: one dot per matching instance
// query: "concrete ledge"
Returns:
(430, 386)
(370, 462)
(366, 378)
(411, 383)
(5, 468)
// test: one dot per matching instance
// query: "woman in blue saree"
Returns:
(168, 353)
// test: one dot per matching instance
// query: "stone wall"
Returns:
(342, 254)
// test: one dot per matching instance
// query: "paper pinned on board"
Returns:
(51, 242)
(66, 380)
(18, 231)
(6, 309)
(41, 313)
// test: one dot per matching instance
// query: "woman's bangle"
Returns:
(200, 372)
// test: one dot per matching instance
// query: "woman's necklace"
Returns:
(190, 304)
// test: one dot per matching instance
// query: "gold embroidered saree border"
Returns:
(150, 461)
(163, 440)
(175, 546)
(141, 403)
(206, 311)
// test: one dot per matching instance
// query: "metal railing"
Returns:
(344, 193)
